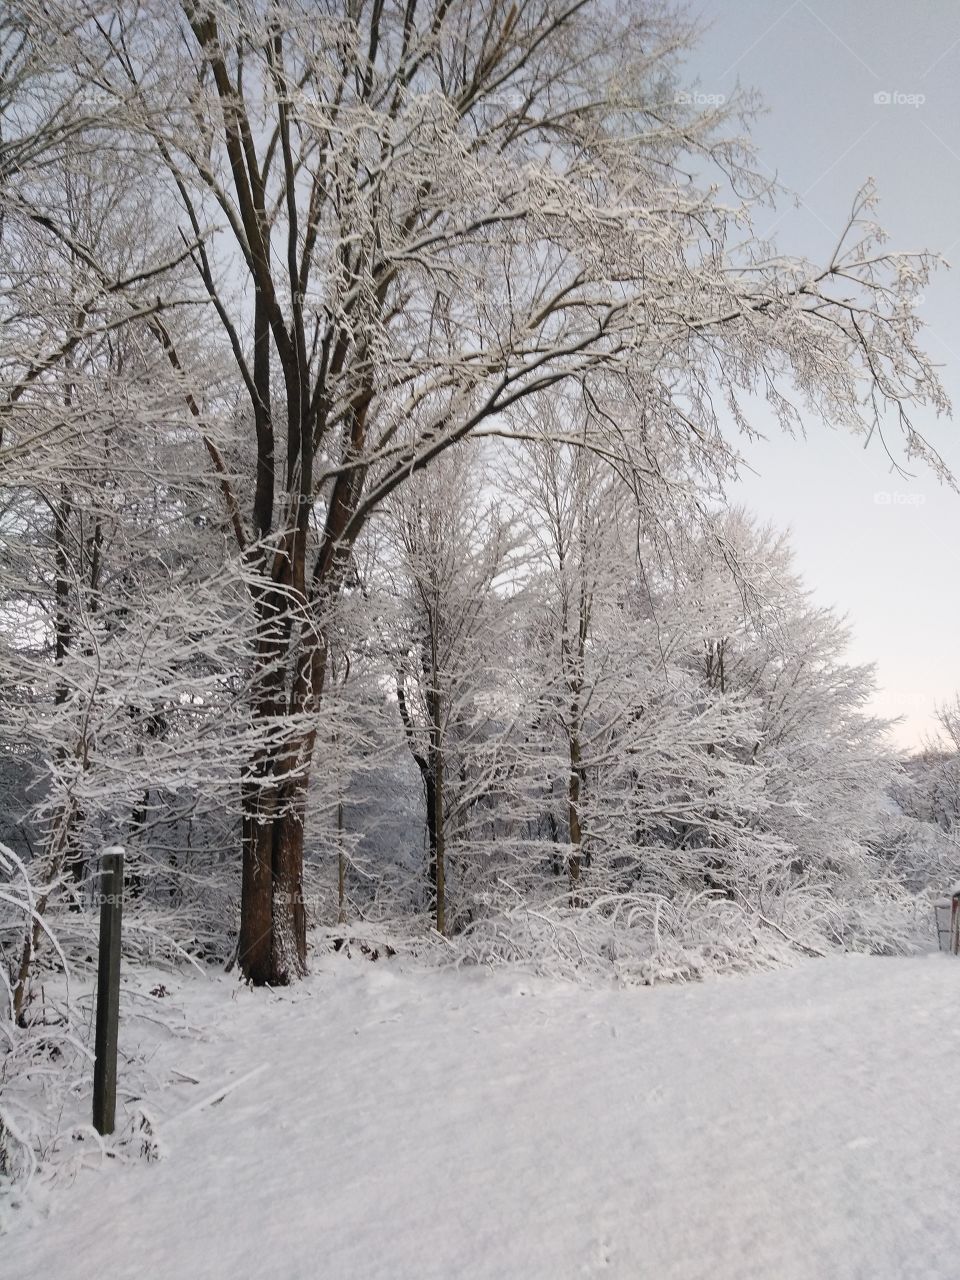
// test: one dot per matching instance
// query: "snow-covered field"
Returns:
(410, 1124)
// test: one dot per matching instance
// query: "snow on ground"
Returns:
(411, 1124)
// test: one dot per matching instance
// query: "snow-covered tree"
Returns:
(454, 584)
(407, 220)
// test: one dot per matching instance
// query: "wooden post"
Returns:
(108, 991)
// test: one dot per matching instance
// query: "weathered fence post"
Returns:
(108, 991)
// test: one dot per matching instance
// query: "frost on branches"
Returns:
(369, 376)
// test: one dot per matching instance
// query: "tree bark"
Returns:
(575, 860)
(439, 850)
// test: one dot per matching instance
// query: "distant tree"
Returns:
(455, 578)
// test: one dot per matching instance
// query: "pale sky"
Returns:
(892, 566)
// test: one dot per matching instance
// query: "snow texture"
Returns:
(384, 1122)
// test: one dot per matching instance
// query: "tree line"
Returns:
(372, 374)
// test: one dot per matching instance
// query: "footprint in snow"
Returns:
(603, 1257)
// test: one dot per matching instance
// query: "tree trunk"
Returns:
(255, 952)
(431, 772)
(430, 800)
(273, 919)
(289, 907)
(574, 862)
(435, 809)
(341, 866)
(440, 843)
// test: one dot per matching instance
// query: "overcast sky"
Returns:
(884, 550)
